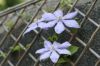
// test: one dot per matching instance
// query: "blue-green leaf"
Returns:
(63, 60)
(17, 48)
(53, 38)
(73, 49)
(74, 31)
(2, 54)
(66, 2)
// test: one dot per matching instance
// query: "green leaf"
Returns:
(28, 45)
(2, 2)
(17, 48)
(74, 31)
(50, 39)
(73, 49)
(3, 54)
(63, 60)
(53, 38)
(9, 24)
(66, 2)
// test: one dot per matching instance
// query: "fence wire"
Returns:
(35, 9)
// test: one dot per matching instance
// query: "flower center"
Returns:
(52, 48)
(59, 18)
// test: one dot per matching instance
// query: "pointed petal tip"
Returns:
(59, 28)
(48, 16)
(45, 55)
(27, 31)
(63, 51)
(65, 45)
(41, 51)
(71, 23)
(47, 44)
(70, 15)
(58, 13)
(54, 57)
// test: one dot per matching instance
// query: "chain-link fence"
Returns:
(20, 16)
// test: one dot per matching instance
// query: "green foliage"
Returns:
(74, 31)
(9, 3)
(2, 4)
(73, 49)
(17, 48)
(9, 24)
(28, 45)
(63, 60)
(2, 54)
(66, 2)
(53, 38)
(26, 16)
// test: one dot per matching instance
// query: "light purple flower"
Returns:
(59, 21)
(56, 20)
(53, 50)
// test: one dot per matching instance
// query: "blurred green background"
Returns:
(9, 3)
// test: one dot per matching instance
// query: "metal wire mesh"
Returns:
(16, 37)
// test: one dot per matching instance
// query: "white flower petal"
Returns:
(48, 16)
(58, 13)
(64, 45)
(33, 24)
(71, 23)
(51, 23)
(31, 27)
(54, 57)
(70, 15)
(47, 44)
(42, 25)
(63, 51)
(41, 51)
(56, 44)
(45, 55)
(59, 28)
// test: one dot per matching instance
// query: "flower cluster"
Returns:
(59, 22)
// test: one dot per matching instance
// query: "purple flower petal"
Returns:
(59, 28)
(70, 15)
(71, 23)
(45, 55)
(54, 57)
(31, 27)
(63, 51)
(41, 51)
(56, 44)
(64, 45)
(47, 44)
(35, 23)
(48, 17)
(51, 23)
(42, 25)
(58, 13)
